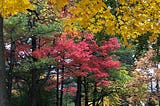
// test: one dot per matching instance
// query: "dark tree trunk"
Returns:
(34, 43)
(3, 77)
(78, 94)
(151, 85)
(62, 82)
(94, 95)
(11, 66)
(102, 100)
(33, 88)
(86, 91)
(57, 89)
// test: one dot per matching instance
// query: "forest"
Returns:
(80, 53)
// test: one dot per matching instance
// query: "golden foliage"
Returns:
(58, 4)
(136, 17)
(133, 17)
(90, 15)
(12, 7)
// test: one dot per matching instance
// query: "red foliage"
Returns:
(103, 83)
(22, 48)
(48, 88)
(84, 58)
(40, 53)
(71, 91)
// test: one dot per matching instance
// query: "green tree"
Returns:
(8, 8)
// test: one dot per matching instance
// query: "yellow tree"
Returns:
(132, 18)
(8, 8)
(137, 17)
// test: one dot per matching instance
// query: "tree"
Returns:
(29, 73)
(128, 19)
(82, 58)
(147, 67)
(8, 8)
(18, 29)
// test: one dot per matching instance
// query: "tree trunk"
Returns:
(62, 82)
(11, 66)
(94, 95)
(33, 88)
(86, 91)
(3, 77)
(78, 94)
(57, 89)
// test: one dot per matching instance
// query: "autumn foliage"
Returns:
(78, 57)
(129, 19)
(83, 58)
(8, 8)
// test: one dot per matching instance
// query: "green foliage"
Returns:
(125, 56)
(46, 30)
(19, 100)
(46, 98)
(124, 88)
(15, 26)
(43, 63)
(122, 75)
(141, 44)
(22, 76)
(116, 92)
